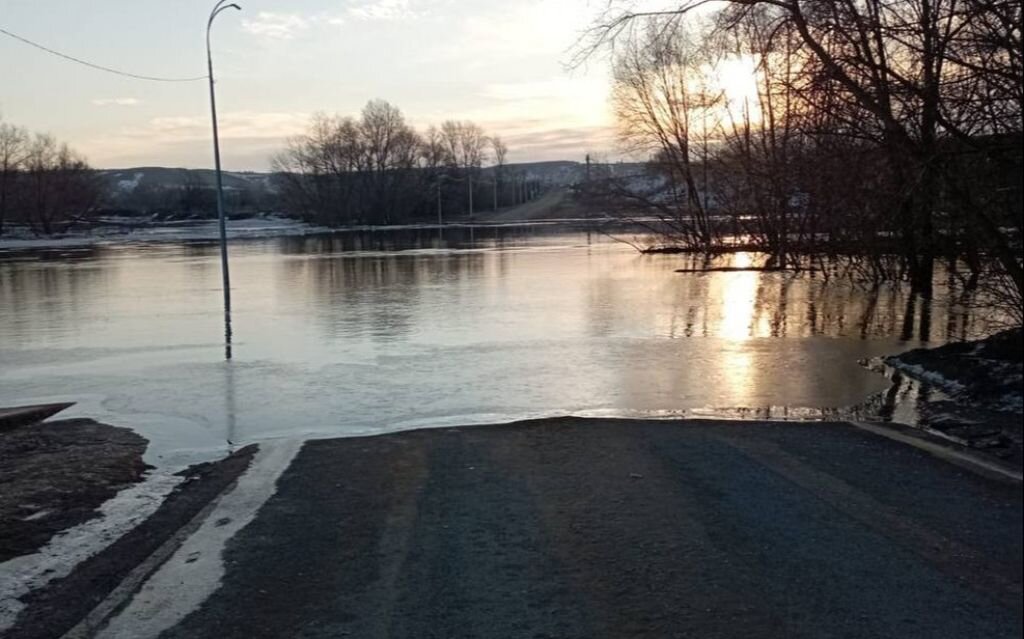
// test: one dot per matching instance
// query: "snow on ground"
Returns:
(65, 551)
(934, 378)
(123, 230)
(199, 561)
(129, 186)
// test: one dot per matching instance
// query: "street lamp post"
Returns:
(217, 9)
(440, 208)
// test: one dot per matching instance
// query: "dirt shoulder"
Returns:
(56, 475)
(55, 609)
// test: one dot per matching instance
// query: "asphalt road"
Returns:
(599, 528)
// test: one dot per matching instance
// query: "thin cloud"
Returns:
(383, 10)
(279, 26)
(239, 124)
(561, 143)
(125, 102)
(249, 139)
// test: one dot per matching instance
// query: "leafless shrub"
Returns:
(877, 128)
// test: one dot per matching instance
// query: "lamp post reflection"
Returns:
(230, 407)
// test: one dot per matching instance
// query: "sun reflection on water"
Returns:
(739, 296)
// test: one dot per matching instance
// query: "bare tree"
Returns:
(918, 84)
(374, 169)
(13, 152)
(55, 185)
(500, 150)
(664, 105)
(465, 145)
(435, 150)
(391, 150)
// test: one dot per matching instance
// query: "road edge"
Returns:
(943, 449)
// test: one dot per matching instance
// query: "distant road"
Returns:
(556, 204)
(599, 529)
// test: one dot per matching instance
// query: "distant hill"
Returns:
(567, 173)
(190, 192)
(157, 177)
(128, 181)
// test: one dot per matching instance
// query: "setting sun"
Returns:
(736, 77)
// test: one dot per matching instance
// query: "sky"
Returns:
(500, 63)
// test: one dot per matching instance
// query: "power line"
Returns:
(98, 67)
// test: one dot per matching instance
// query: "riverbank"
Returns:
(130, 230)
(118, 233)
(970, 392)
(985, 372)
(55, 475)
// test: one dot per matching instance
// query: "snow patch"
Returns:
(920, 373)
(189, 231)
(129, 186)
(66, 550)
(196, 569)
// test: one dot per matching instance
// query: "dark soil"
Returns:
(55, 475)
(56, 609)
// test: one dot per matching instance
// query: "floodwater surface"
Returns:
(365, 333)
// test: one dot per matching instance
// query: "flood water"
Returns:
(366, 333)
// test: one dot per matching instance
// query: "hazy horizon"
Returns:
(278, 63)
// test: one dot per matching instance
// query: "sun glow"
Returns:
(736, 78)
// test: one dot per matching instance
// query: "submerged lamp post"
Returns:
(217, 9)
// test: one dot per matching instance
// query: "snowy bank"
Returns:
(967, 392)
(114, 230)
(986, 373)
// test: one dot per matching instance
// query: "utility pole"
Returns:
(495, 193)
(440, 211)
(226, 275)
(470, 181)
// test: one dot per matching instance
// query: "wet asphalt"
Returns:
(600, 528)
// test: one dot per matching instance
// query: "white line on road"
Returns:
(971, 462)
(195, 571)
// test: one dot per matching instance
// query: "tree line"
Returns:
(371, 169)
(870, 127)
(377, 169)
(44, 184)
